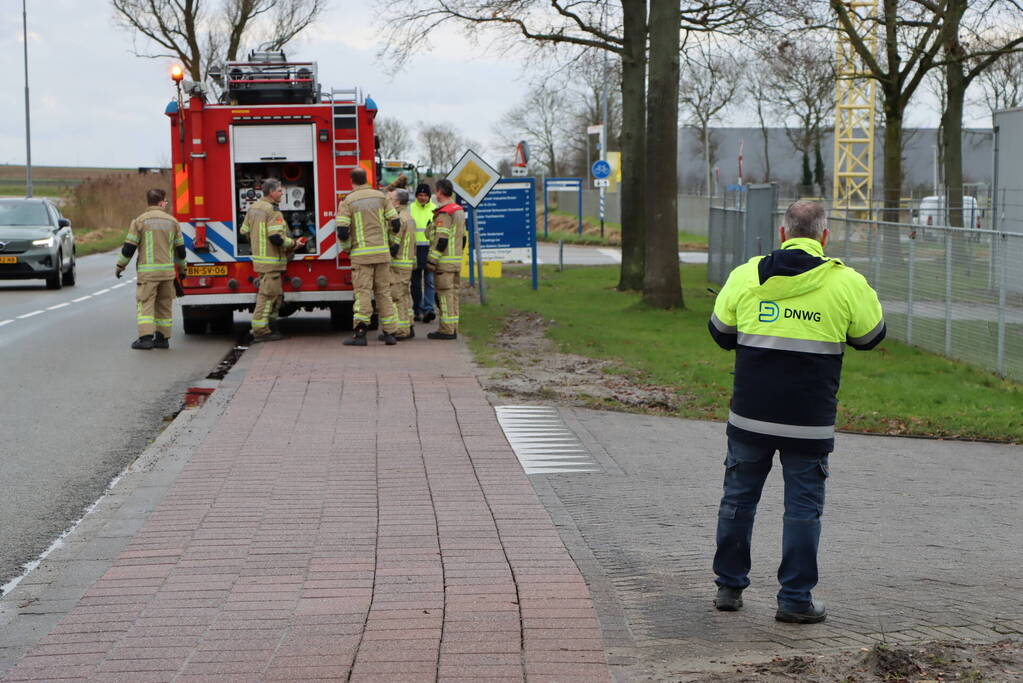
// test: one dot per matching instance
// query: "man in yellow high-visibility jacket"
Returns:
(423, 292)
(788, 315)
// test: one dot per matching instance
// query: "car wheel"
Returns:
(54, 281)
(71, 275)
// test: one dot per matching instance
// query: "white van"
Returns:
(933, 211)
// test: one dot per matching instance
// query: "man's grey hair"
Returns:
(806, 219)
(269, 185)
(401, 195)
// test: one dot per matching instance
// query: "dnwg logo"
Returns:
(768, 312)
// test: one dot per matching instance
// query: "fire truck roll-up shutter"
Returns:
(254, 144)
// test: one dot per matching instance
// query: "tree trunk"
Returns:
(892, 251)
(661, 283)
(952, 117)
(706, 157)
(633, 145)
(763, 133)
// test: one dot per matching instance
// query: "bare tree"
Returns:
(441, 146)
(662, 286)
(203, 35)
(540, 119)
(757, 87)
(1001, 84)
(710, 80)
(616, 27)
(802, 88)
(395, 138)
(971, 43)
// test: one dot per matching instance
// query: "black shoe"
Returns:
(728, 599)
(442, 335)
(268, 337)
(429, 317)
(358, 339)
(417, 317)
(145, 342)
(387, 338)
(161, 342)
(815, 615)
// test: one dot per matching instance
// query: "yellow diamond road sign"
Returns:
(473, 178)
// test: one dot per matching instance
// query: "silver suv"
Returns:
(36, 242)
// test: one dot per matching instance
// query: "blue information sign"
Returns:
(507, 221)
(601, 169)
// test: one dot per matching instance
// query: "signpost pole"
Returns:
(472, 243)
(479, 256)
(579, 201)
(546, 211)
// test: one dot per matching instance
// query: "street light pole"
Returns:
(28, 129)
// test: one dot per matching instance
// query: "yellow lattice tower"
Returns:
(855, 95)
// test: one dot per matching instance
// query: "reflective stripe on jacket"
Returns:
(448, 222)
(366, 212)
(789, 315)
(406, 241)
(156, 233)
(262, 221)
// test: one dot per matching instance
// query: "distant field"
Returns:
(54, 175)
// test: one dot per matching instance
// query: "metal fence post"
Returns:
(909, 293)
(1001, 303)
(948, 293)
(876, 256)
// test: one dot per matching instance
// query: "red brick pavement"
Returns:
(356, 514)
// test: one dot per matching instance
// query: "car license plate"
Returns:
(8, 259)
(200, 271)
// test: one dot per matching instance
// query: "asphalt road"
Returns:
(579, 255)
(77, 403)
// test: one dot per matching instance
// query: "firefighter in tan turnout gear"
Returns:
(157, 238)
(403, 260)
(267, 231)
(445, 259)
(366, 226)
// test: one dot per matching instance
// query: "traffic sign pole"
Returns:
(479, 256)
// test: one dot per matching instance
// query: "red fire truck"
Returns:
(270, 120)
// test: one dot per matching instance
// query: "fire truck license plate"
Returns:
(8, 259)
(201, 271)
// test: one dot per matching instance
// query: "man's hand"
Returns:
(301, 242)
(394, 250)
(118, 271)
(343, 233)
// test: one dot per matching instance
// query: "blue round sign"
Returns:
(601, 169)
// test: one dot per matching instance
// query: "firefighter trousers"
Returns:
(268, 302)
(447, 297)
(401, 296)
(154, 301)
(373, 281)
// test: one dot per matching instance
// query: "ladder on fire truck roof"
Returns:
(346, 128)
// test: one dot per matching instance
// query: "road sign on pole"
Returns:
(601, 182)
(563, 185)
(601, 169)
(473, 178)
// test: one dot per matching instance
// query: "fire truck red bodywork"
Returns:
(221, 153)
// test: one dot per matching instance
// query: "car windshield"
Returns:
(13, 213)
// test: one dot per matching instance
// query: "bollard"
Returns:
(561, 255)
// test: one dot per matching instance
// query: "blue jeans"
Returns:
(746, 469)
(423, 292)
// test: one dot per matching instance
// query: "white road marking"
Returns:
(119, 286)
(5, 322)
(102, 291)
(29, 315)
(81, 298)
(53, 308)
(612, 254)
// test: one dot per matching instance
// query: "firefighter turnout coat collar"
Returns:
(366, 212)
(268, 235)
(788, 315)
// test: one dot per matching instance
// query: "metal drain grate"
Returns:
(543, 442)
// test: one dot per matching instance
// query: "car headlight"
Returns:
(45, 242)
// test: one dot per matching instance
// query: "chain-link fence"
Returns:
(953, 291)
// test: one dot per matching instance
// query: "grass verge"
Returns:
(98, 241)
(567, 230)
(895, 389)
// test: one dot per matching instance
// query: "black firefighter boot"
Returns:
(144, 342)
(160, 341)
(359, 338)
(387, 338)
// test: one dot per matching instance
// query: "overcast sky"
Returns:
(94, 103)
